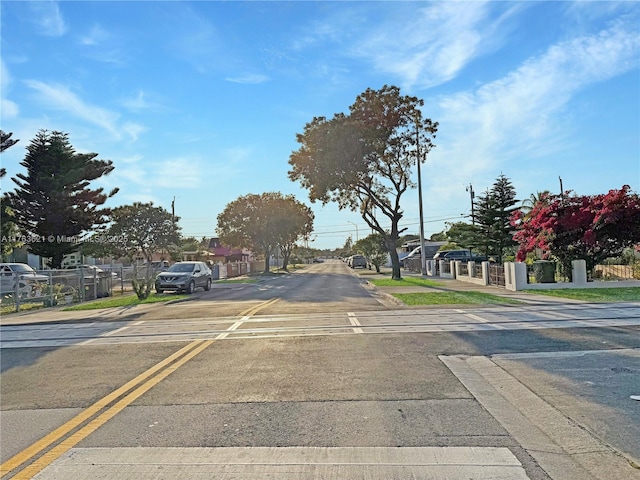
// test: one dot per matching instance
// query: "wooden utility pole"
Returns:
(473, 195)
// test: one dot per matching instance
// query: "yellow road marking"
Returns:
(64, 446)
(187, 353)
(253, 310)
(59, 432)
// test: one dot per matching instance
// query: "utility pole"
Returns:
(173, 210)
(473, 195)
(423, 265)
(561, 190)
(357, 239)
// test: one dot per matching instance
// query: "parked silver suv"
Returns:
(184, 277)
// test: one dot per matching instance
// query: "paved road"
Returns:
(183, 328)
(240, 384)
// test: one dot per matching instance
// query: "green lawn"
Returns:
(125, 301)
(405, 282)
(626, 294)
(454, 298)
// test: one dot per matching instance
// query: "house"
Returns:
(221, 253)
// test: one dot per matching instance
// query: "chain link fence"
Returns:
(48, 288)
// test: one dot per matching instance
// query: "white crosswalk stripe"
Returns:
(366, 322)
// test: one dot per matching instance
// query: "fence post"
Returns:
(81, 283)
(51, 288)
(579, 268)
(16, 290)
(485, 272)
(515, 276)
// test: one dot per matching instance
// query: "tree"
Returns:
(8, 229)
(5, 142)
(463, 235)
(570, 227)
(199, 248)
(265, 222)
(374, 249)
(528, 203)
(493, 218)
(142, 229)
(53, 203)
(363, 160)
(294, 222)
(438, 237)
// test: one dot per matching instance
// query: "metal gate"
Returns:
(496, 275)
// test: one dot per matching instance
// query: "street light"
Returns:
(356, 229)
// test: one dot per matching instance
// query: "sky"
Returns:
(200, 102)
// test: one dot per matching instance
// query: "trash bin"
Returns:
(544, 271)
(104, 285)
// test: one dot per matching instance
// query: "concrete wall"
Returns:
(516, 277)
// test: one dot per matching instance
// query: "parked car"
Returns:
(462, 255)
(160, 266)
(88, 271)
(356, 261)
(184, 277)
(28, 279)
(415, 253)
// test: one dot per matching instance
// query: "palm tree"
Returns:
(528, 203)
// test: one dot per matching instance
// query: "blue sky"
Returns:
(202, 101)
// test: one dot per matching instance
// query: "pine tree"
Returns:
(8, 229)
(493, 218)
(53, 204)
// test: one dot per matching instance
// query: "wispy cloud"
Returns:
(433, 44)
(248, 79)
(140, 102)
(181, 173)
(60, 98)
(197, 41)
(48, 17)
(9, 109)
(104, 46)
(96, 36)
(523, 114)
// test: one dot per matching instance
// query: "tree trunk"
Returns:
(142, 287)
(267, 260)
(285, 262)
(56, 260)
(395, 265)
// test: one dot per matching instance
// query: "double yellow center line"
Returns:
(144, 382)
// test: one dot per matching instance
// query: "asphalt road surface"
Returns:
(318, 375)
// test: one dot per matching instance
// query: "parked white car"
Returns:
(28, 279)
(88, 271)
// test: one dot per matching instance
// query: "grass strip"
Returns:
(405, 282)
(454, 298)
(124, 301)
(622, 294)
